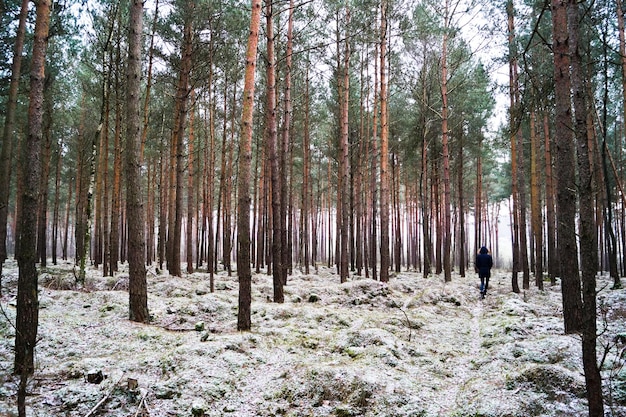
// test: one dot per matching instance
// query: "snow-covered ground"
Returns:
(413, 347)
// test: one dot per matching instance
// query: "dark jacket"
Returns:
(484, 262)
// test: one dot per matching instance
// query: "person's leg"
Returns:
(482, 284)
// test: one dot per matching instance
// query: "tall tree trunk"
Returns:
(182, 97)
(343, 193)
(46, 149)
(360, 176)
(257, 197)
(366, 211)
(105, 221)
(553, 262)
(210, 191)
(286, 140)
(116, 192)
(163, 202)
(588, 249)
(27, 319)
(622, 54)
(227, 243)
(425, 205)
(478, 199)
(306, 195)
(190, 197)
(565, 172)
(435, 199)
(271, 137)
(425, 194)
(100, 171)
(221, 195)
(373, 172)
(88, 157)
(68, 206)
(102, 248)
(146, 103)
(8, 134)
(245, 159)
(447, 232)
(263, 191)
(151, 177)
(521, 192)
(514, 144)
(535, 204)
(81, 229)
(461, 249)
(138, 288)
(57, 202)
(610, 238)
(397, 248)
(384, 149)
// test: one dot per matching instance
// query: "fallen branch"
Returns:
(121, 280)
(408, 321)
(142, 405)
(104, 399)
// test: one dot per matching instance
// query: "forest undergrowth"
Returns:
(413, 347)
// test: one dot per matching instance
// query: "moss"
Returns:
(354, 351)
(551, 380)
(343, 411)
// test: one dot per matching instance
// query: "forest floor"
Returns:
(413, 347)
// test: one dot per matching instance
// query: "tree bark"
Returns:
(343, 193)
(227, 244)
(535, 204)
(461, 240)
(514, 144)
(565, 172)
(146, 103)
(286, 141)
(182, 98)
(373, 261)
(553, 262)
(587, 238)
(447, 232)
(57, 202)
(46, 152)
(478, 199)
(306, 195)
(521, 193)
(138, 293)
(384, 149)
(190, 194)
(271, 137)
(68, 206)
(27, 319)
(245, 159)
(116, 192)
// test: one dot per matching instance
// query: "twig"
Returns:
(408, 321)
(141, 403)
(104, 399)
(117, 283)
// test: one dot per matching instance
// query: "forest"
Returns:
(255, 151)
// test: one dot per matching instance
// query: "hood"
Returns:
(484, 250)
